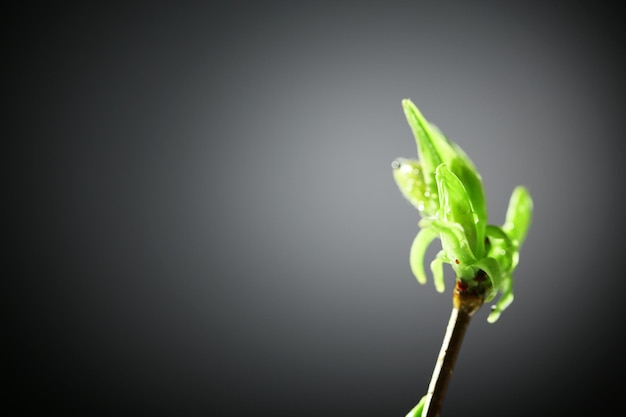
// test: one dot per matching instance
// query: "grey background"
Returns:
(200, 213)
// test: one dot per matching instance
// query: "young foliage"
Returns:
(447, 190)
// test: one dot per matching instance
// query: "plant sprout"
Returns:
(448, 193)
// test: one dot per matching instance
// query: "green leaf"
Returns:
(418, 251)
(408, 175)
(417, 410)
(518, 215)
(505, 300)
(501, 248)
(494, 273)
(455, 205)
(456, 251)
(433, 148)
(436, 267)
(474, 188)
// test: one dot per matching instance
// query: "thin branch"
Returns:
(465, 304)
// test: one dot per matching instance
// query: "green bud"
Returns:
(448, 193)
(408, 174)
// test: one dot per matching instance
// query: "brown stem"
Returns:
(465, 304)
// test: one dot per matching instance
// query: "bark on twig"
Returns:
(465, 304)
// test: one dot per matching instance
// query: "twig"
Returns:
(465, 304)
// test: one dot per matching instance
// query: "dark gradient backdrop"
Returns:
(200, 213)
